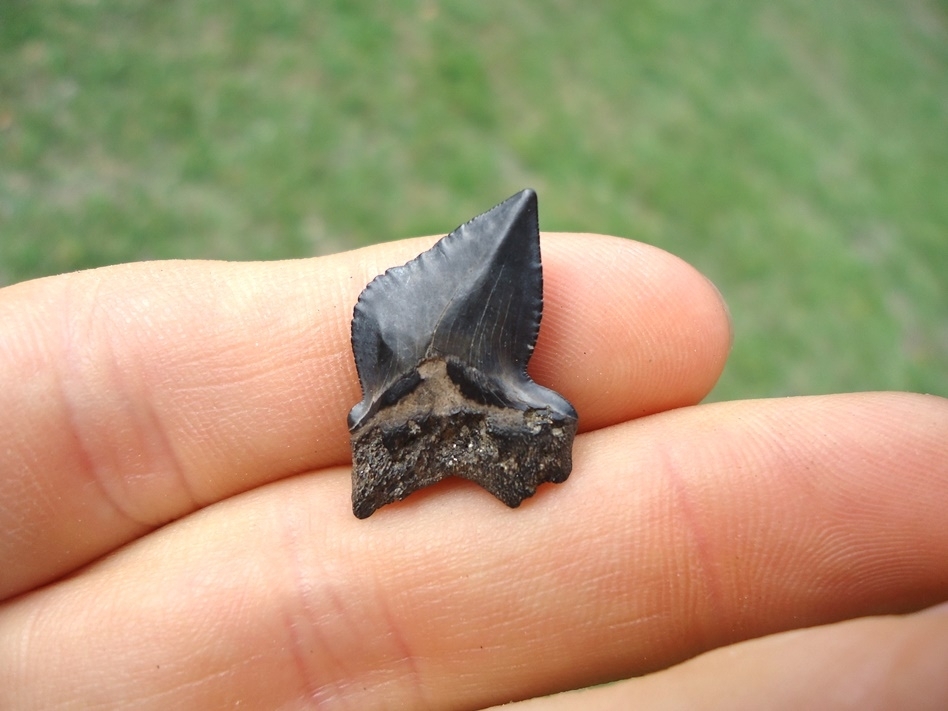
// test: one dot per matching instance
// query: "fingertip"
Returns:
(629, 329)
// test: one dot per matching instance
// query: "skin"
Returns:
(176, 532)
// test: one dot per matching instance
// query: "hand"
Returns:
(176, 532)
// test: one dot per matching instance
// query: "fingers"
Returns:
(133, 395)
(869, 663)
(675, 534)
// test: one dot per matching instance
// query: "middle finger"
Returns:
(675, 534)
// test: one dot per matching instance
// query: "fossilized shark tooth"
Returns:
(441, 345)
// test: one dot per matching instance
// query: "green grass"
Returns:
(796, 151)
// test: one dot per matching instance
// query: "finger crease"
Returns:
(86, 465)
(302, 622)
(409, 662)
(704, 574)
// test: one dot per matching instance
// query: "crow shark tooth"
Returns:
(441, 346)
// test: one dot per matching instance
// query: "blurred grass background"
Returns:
(796, 151)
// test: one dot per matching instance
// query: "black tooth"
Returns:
(467, 313)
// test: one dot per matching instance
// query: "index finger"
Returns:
(136, 394)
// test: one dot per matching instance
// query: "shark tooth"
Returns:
(441, 346)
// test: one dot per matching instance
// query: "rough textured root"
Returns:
(509, 453)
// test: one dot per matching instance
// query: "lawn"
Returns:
(796, 151)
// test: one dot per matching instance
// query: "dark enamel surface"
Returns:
(473, 302)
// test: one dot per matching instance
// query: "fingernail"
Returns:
(939, 609)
